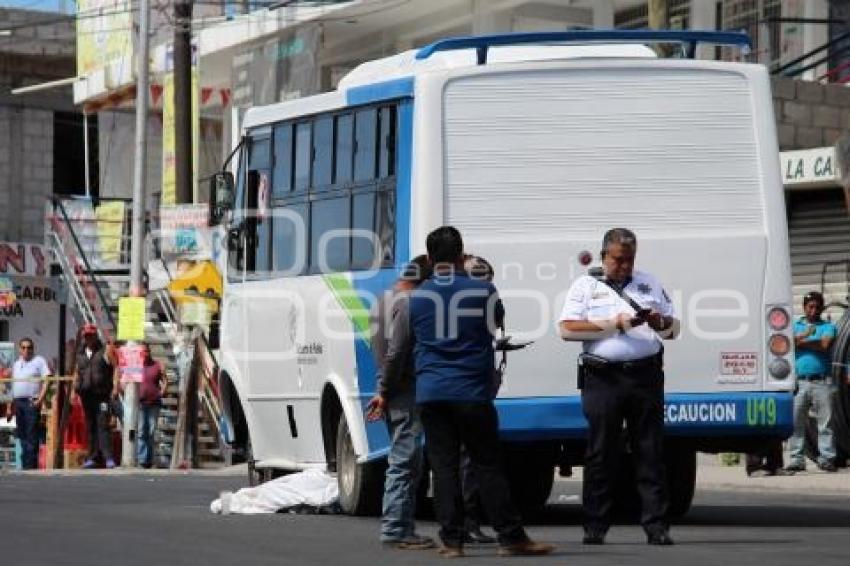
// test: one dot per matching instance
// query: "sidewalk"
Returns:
(712, 475)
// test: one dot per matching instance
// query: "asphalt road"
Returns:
(149, 520)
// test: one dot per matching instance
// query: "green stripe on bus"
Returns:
(350, 301)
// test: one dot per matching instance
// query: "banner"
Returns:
(110, 230)
(104, 33)
(169, 143)
(131, 362)
(184, 230)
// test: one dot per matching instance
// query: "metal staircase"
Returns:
(97, 276)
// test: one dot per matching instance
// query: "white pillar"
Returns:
(704, 17)
(815, 35)
(603, 14)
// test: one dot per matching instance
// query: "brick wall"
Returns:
(26, 172)
(810, 114)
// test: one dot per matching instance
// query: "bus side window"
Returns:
(365, 122)
(323, 144)
(329, 236)
(235, 254)
(290, 230)
(283, 150)
(387, 141)
(385, 226)
(303, 155)
(344, 149)
(258, 194)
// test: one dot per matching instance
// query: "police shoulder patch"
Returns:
(644, 288)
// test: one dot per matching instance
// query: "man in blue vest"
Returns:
(813, 337)
(453, 318)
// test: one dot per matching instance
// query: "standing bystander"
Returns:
(453, 318)
(395, 401)
(28, 392)
(813, 337)
(93, 382)
(151, 391)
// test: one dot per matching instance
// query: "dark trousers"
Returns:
(609, 398)
(769, 457)
(473, 514)
(448, 426)
(96, 409)
(26, 422)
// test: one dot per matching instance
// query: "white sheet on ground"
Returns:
(311, 487)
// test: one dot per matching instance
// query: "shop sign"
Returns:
(810, 168)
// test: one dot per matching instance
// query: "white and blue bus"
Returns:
(532, 145)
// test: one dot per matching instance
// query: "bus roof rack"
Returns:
(689, 38)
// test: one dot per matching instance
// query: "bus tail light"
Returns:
(779, 368)
(779, 345)
(778, 318)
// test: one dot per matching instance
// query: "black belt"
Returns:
(642, 364)
(813, 377)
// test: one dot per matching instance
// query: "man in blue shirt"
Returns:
(813, 337)
(453, 318)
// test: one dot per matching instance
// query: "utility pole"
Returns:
(137, 251)
(183, 101)
(657, 19)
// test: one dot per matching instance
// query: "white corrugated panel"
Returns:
(557, 151)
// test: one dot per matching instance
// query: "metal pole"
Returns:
(183, 101)
(131, 391)
(86, 151)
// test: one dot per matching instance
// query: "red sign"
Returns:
(131, 363)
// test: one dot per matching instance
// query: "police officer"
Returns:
(621, 318)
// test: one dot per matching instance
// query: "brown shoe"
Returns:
(451, 551)
(526, 548)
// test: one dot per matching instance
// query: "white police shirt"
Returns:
(590, 299)
(22, 374)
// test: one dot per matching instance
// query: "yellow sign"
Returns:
(109, 218)
(104, 33)
(169, 159)
(131, 318)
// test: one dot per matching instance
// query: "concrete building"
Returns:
(41, 141)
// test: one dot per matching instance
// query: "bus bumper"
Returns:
(704, 415)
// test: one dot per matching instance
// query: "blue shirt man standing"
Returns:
(453, 318)
(813, 337)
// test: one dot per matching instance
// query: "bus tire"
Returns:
(681, 471)
(361, 486)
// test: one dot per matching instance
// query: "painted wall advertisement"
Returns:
(281, 69)
(104, 33)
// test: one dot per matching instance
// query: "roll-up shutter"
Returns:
(819, 232)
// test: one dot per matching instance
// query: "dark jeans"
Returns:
(448, 426)
(768, 458)
(96, 409)
(609, 398)
(26, 421)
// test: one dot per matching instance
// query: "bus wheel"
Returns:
(681, 464)
(361, 486)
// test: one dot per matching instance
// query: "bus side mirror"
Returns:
(222, 196)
